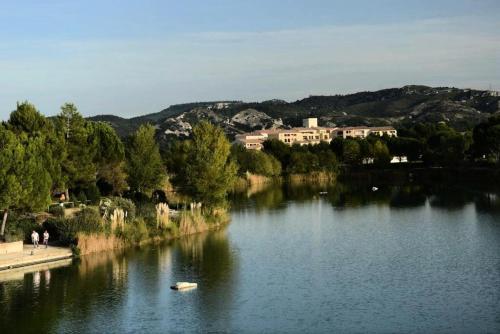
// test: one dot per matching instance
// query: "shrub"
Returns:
(108, 206)
(88, 220)
(125, 204)
(57, 210)
(14, 235)
(61, 229)
(65, 230)
(92, 193)
(136, 231)
(20, 229)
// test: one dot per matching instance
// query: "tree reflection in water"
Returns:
(396, 194)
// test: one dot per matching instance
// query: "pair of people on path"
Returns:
(35, 238)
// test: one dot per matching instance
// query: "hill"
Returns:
(459, 108)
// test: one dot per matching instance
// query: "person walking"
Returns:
(34, 239)
(46, 239)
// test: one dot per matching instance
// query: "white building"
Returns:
(310, 123)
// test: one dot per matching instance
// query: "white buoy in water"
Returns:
(374, 188)
(184, 286)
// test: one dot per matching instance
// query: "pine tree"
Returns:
(77, 166)
(11, 152)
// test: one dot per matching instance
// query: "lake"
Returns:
(403, 259)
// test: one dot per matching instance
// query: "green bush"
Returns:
(14, 235)
(61, 229)
(20, 228)
(88, 220)
(136, 231)
(125, 204)
(108, 206)
(65, 230)
(57, 210)
(92, 193)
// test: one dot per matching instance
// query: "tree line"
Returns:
(41, 158)
(429, 144)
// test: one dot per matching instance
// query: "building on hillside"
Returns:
(364, 131)
(303, 136)
(309, 134)
(252, 140)
(310, 123)
(352, 132)
(384, 130)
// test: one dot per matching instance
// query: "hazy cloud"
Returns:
(131, 77)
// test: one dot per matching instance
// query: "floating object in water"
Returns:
(374, 188)
(184, 286)
(323, 192)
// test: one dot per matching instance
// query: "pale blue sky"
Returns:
(129, 58)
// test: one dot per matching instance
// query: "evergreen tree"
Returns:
(109, 156)
(26, 119)
(78, 166)
(11, 154)
(144, 164)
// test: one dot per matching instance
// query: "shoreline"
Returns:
(40, 256)
(104, 243)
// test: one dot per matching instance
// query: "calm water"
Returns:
(404, 259)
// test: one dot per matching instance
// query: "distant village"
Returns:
(310, 134)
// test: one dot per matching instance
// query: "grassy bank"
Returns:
(118, 223)
(312, 177)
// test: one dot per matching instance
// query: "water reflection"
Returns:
(356, 194)
(362, 254)
(207, 259)
(109, 285)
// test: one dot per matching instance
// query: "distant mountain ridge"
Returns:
(459, 108)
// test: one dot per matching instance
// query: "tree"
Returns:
(366, 147)
(27, 120)
(144, 164)
(78, 167)
(255, 162)
(33, 175)
(210, 173)
(303, 162)
(381, 154)
(328, 161)
(109, 156)
(487, 139)
(11, 153)
(445, 147)
(337, 146)
(351, 152)
(176, 158)
(279, 150)
(410, 147)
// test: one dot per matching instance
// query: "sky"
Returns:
(134, 57)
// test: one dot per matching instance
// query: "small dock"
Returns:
(32, 256)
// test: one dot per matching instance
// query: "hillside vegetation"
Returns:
(460, 109)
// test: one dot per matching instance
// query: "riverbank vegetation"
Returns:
(79, 180)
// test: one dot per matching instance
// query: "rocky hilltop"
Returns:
(459, 108)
